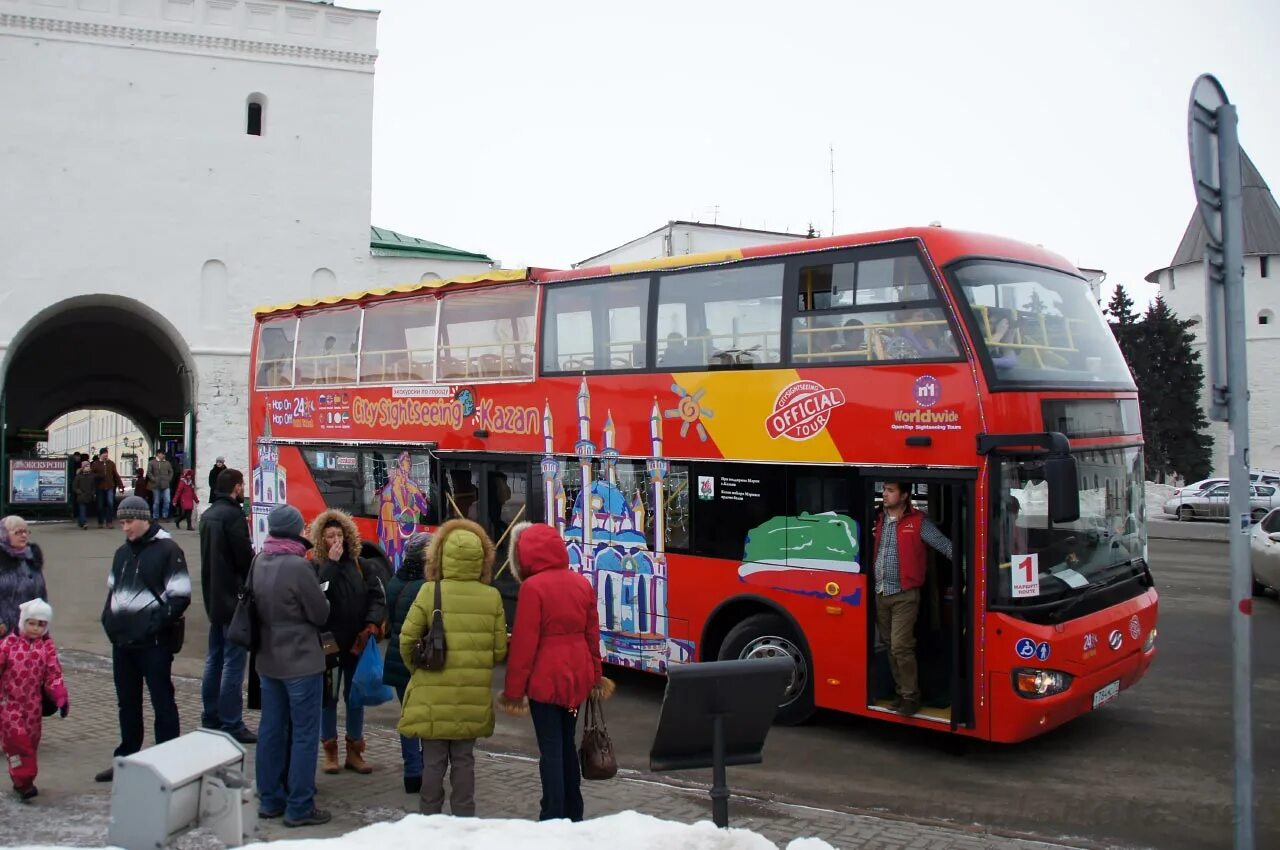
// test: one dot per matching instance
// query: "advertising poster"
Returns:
(38, 481)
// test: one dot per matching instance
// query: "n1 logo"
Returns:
(1026, 576)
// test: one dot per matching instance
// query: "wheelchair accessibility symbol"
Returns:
(1027, 648)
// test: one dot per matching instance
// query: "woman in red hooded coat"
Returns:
(553, 661)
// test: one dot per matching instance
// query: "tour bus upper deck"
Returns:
(872, 298)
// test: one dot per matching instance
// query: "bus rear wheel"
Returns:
(770, 636)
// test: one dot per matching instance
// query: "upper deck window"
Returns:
(399, 342)
(860, 310)
(487, 335)
(1037, 326)
(327, 344)
(720, 317)
(596, 327)
(275, 352)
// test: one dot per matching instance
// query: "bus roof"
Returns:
(943, 245)
(491, 276)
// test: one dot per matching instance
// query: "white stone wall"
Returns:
(393, 271)
(1183, 289)
(127, 168)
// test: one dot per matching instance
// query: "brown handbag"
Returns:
(596, 753)
(430, 650)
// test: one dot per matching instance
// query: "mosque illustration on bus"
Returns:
(606, 538)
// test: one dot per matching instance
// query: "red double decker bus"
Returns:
(710, 434)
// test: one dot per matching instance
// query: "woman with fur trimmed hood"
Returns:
(357, 613)
(555, 660)
(450, 708)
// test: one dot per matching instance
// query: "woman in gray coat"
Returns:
(291, 609)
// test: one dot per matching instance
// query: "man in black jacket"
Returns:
(148, 592)
(225, 556)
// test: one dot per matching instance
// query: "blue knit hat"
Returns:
(284, 521)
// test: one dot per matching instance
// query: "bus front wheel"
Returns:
(770, 636)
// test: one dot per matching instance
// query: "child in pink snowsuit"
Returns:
(29, 669)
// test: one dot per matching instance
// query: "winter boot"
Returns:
(331, 756)
(355, 756)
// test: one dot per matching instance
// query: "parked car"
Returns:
(1215, 502)
(1199, 486)
(1264, 554)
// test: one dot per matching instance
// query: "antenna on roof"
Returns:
(831, 149)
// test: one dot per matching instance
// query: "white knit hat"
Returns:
(35, 609)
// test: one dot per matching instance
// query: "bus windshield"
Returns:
(1040, 327)
(1039, 561)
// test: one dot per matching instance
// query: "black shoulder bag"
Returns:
(430, 650)
(244, 630)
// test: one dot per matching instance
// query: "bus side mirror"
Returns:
(1064, 488)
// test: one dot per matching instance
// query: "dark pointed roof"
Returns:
(1261, 222)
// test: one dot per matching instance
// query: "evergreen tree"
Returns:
(1170, 380)
(1125, 327)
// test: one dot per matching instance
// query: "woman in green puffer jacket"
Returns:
(449, 709)
(401, 591)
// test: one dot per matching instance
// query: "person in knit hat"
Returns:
(555, 660)
(29, 671)
(449, 709)
(148, 591)
(291, 609)
(401, 591)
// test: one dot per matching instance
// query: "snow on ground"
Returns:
(625, 831)
(1157, 495)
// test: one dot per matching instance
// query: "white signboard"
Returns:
(1026, 576)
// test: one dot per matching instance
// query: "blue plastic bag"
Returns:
(366, 685)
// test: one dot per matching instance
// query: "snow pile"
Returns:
(1157, 495)
(625, 831)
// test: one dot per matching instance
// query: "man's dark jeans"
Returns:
(557, 761)
(132, 667)
(106, 506)
(223, 686)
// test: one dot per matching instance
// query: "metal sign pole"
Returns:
(1215, 172)
(1238, 450)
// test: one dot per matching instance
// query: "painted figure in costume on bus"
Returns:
(401, 500)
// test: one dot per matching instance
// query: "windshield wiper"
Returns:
(1060, 614)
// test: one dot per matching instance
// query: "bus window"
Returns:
(399, 341)
(275, 352)
(487, 335)
(733, 316)
(844, 316)
(735, 508)
(337, 476)
(596, 327)
(1039, 326)
(326, 351)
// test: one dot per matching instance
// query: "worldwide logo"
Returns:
(927, 391)
(1115, 639)
(802, 410)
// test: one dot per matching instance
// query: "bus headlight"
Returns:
(1034, 684)
(1150, 643)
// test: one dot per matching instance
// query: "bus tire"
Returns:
(771, 636)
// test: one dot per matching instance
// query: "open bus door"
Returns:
(497, 494)
(944, 621)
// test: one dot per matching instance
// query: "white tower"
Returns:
(168, 165)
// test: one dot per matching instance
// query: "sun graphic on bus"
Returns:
(690, 411)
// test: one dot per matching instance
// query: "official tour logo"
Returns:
(802, 410)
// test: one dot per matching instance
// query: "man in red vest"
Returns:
(901, 533)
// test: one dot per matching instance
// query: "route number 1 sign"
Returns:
(1026, 576)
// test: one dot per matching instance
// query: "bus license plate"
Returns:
(1106, 694)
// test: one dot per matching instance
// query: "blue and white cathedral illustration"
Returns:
(605, 536)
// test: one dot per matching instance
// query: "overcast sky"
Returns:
(544, 133)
